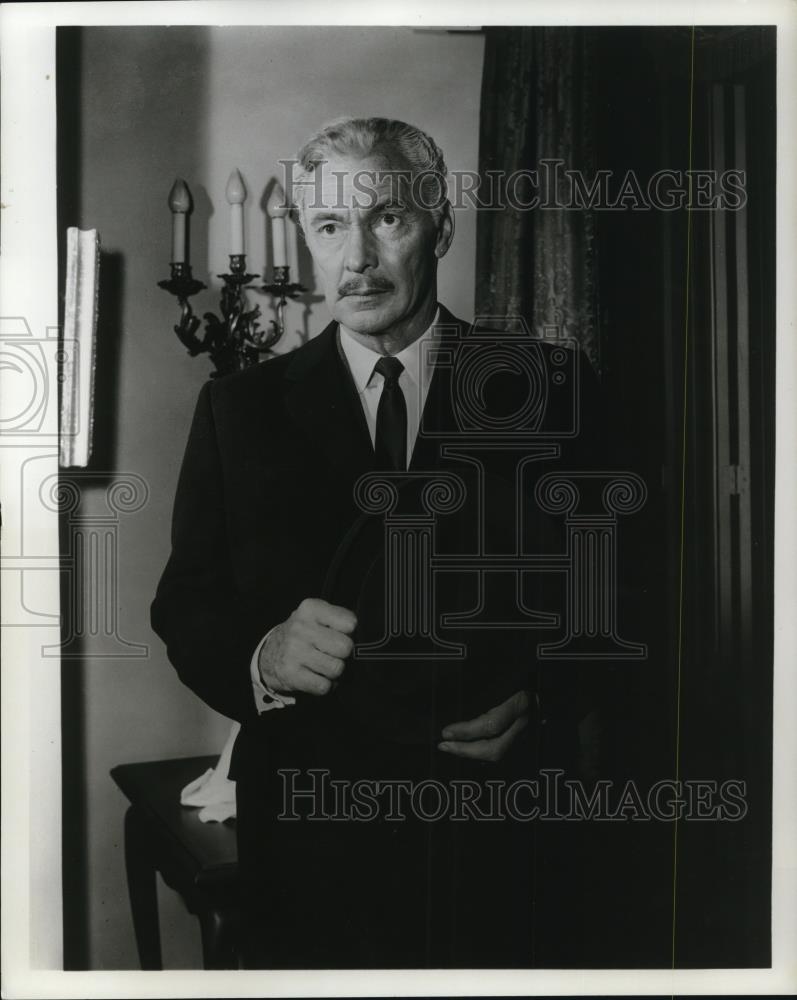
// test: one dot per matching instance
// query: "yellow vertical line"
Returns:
(683, 497)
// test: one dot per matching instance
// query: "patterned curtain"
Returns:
(536, 106)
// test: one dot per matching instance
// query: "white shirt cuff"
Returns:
(265, 698)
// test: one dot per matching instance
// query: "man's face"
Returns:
(376, 251)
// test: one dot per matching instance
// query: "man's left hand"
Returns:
(489, 736)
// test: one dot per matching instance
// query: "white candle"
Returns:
(277, 210)
(293, 250)
(180, 204)
(236, 195)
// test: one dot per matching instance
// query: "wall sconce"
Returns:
(234, 341)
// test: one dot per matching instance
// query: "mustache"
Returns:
(359, 287)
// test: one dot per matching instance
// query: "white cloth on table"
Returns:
(213, 792)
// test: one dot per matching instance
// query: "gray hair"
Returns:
(362, 137)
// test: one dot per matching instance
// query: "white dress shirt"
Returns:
(414, 381)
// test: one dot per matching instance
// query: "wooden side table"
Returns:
(198, 860)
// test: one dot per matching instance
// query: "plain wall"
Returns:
(147, 105)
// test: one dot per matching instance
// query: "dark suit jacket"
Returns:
(264, 517)
(264, 500)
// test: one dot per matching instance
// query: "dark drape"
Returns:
(536, 104)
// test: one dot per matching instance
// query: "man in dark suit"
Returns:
(277, 570)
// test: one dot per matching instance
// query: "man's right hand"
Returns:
(307, 652)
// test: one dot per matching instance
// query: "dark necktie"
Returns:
(391, 417)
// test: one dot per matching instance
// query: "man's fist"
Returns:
(306, 653)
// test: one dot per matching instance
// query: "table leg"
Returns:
(143, 890)
(219, 928)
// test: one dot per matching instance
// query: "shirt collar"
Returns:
(361, 359)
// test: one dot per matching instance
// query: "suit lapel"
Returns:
(321, 399)
(438, 423)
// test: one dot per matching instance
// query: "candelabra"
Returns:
(235, 340)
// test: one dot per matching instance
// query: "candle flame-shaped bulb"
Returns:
(179, 197)
(236, 189)
(276, 205)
